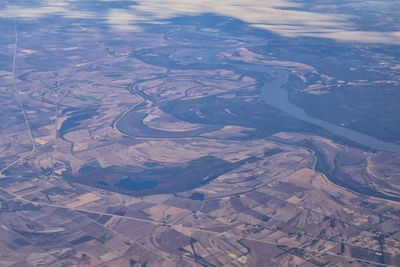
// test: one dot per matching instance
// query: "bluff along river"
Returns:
(274, 93)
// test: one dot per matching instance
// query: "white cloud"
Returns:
(46, 9)
(122, 20)
(279, 16)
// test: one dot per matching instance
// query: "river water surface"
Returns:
(274, 93)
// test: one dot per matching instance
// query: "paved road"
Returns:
(18, 97)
